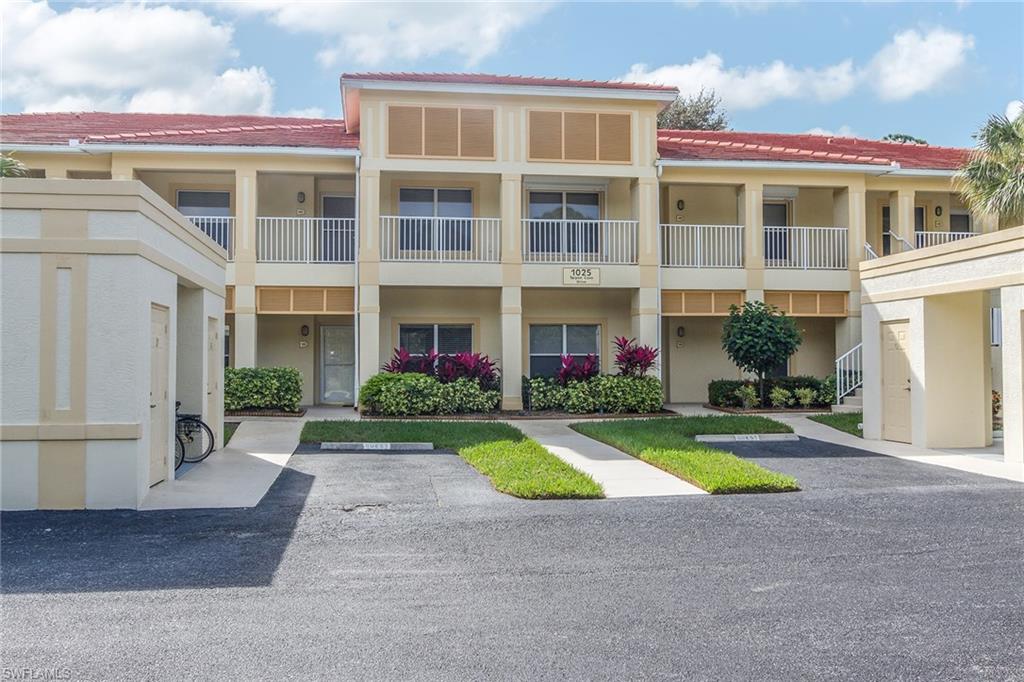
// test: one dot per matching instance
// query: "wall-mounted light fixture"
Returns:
(305, 330)
(300, 197)
(938, 210)
(680, 205)
(680, 332)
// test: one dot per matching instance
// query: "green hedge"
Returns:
(411, 393)
(278, 388)
(722, 392)
(603, 393)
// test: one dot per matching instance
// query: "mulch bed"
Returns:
(768, 410)
(263, 413)
(521, 414)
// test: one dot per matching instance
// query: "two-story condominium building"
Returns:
(520, 217)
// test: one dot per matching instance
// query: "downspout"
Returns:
(355, 291)
(661, 331)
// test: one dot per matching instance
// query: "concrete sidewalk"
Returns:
(619, 474)
(984, 465)
(236, 476)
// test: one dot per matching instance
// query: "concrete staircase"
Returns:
(851, 403)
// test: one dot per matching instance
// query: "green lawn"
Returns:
(668, 444)
(229, 430)
(515, 464)
(843, 421)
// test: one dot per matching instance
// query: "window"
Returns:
(419, 339)
(204, 203)
(435, 219)
(960, 222)
(995, 318)
(559, 222)
(227, 346)
(548, 342)
(776, 242)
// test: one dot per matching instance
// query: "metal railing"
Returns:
(897, 244)
(305, 240)
(702, 246)
(869, 253)
(220, 229)
(580, 241)
(440, 240)
(926, 239)
(849, 372)
(805, 248)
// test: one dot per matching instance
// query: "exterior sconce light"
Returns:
(938, 210)
(305, 330)
(680, 332)
(680, 205)
(301, 197)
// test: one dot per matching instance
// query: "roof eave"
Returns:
(664, 96)
(876, 169)
(109, 147)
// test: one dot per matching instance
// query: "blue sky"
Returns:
(934, 70)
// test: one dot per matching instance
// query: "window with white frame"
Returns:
(208, 210)
(995, 318)
(435, 218)
(420, 339)
(960, 221)
(548, 342)
(560, 222)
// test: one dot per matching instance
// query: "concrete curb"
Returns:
(392, 447)
(733, 437)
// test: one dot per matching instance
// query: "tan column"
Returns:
(644, 319)
(369, 220)
(901, 218)
(750, 206)
(369, 331)
(511, 347)
(511, 230)
(369, 274)
(121, 168)
(244, 332)
(245, 327)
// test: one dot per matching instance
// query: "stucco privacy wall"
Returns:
(83, 264)
(941, 293)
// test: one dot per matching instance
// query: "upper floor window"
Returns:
(560, 221)
(204, 203)
(435, 218)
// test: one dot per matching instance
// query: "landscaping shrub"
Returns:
(466, 396)
(722, 392)
(805, 397)
(780, 398)
(277, 388)
(633, 360)
(573, 369)
(747, 395)
(758, 337)
(415, 393)
(605, 393)
(827, 391)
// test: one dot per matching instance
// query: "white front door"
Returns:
(337, 364)
(896, 381)
(159, 438)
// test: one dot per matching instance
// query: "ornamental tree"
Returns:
(758, 337)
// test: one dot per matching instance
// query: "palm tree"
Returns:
(992, 179)
(10, 167)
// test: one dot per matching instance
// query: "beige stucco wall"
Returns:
(703, 205)
(816, 355)
(696, 359)
(167, 183)
(279, 343)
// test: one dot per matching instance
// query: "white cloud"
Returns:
(126, 58)
(370, 34)
(1015, 109)
(913, 63)
(308, 112)
(842, 131)
(910, 64)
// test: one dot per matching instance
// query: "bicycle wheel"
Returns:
(197, 437)
(179, 452)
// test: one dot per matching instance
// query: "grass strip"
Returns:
(847, 422)
(229, 430)
(515, 464)
(669, 445)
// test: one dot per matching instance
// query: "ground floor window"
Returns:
(227, 346)
(548, 342)
(449, 339)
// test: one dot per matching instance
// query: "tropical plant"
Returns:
(11, 167)
(573, 369)
(747, 395)
(992, 179)
(702, 111)
(758, 337)
(402, 361)
(475, 366)
(805, 396)
(780, 397)
(633, 360)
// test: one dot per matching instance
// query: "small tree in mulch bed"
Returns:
(758, 337)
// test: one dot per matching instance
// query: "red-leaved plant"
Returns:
(573, 369)
(446, 368)
(633, 360)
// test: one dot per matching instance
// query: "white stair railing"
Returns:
(904, 244)
(869, 253)
(220, 229)
(849, 372)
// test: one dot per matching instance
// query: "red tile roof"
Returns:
(703, 145)
(492, 79)
(185, 129)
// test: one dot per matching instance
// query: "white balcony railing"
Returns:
(305, 240)
(580, 241)
(702, 246)
(925, 239)
(805, 248)
(220, 229)
(440, 240)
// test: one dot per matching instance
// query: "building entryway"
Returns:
(896, 384)
(337, 364)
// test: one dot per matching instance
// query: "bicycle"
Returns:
(179, 452)
(195, 437)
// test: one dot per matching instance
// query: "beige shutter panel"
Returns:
(441, 131)
(580, 136)
(405, 131)
(545, 135)
(615, 138)
(477, 128)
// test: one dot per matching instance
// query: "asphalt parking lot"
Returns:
(384, 566)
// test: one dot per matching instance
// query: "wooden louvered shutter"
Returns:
(405, 131)
(546, 135)
(441, 131)
(477, 133)
(580, 136)
(615, 138)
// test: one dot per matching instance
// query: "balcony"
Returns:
(305, 240)
(440, 240)
(220, 229)
(702, 246)
(805, 248)
(612, 242)
(926, 239)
